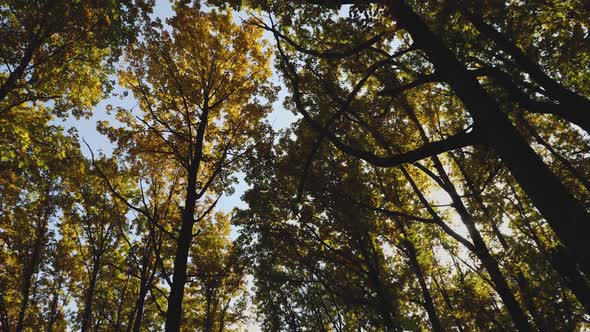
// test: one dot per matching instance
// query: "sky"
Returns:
(279, 118)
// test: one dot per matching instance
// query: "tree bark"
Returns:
(174, 311)
(89, 298)
(566, 216)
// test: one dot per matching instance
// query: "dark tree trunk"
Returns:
(386, 306)
(174, 311)
(566, 163)
(518, 316)
(520, 279)
(53, 308)
(140, 304)
(208, 311)
(426, 295)
(562, 263)
(29, 271)
(480, 248)
(89, 298)
(566, 216)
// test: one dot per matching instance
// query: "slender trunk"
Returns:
(183, 244)
(174, 311)
(222, 317)
(140, 304)
(208, 312)
(87, 313)
(562, 263)
(4, 326)
(480, 322)
(518, 316)
(386, 306)
(53, 308)
(481, 250)
(428, 301)
(120, 306)
(566, 216)
(27, 277)
(573, 171)
(520, 279)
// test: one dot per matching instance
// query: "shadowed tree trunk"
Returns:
(566, 216)
(89, 298)
(426, 295)
(179, 278)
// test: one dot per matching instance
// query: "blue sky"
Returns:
(279, 118)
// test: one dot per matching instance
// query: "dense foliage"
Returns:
(437, 175)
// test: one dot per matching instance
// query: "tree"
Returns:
(62, 51)
(437, 64)
(216, 294)
(202, 89)
(34, 161)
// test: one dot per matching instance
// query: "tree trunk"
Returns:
(183, 244)
(566, 163)
(53, 308)
(480, 248)
(428, 301)
(87, 313)
(566, 216)
(174, 311)
(208, 311)
(573, 279)
(520, 279)
(28, 272)
(386, 305)
(140, 304)
(449, 304)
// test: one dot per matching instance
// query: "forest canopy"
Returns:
(433, 173)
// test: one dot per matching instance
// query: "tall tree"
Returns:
(202, 89)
